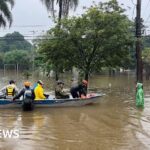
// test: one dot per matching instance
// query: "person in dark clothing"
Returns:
(28, 97)
(59, 92)
(26, 92)
(80, 90)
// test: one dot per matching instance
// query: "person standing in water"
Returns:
(139, 95)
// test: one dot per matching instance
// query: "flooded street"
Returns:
(113, 124)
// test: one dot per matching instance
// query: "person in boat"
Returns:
(74, 82)
(10, 90)
(79, 91)
(59, 92)
(26, 92)
(39, 91)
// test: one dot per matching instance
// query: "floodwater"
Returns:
(113, 124)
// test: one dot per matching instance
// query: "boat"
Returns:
(51, 102)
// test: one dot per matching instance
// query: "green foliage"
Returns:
(27, 74)
(14, 41)
(18, 57)
(54, 52)
(146, 55)
(99, 38)
(146, 41)
(1, 59)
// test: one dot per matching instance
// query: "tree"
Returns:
(1, 60)
(146, 62)
(18, 57)
(146, 41)
(5, 14)
(14, 41)
(64, 6)
(99, 38)
(53, 52)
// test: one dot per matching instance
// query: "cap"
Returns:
(60, 82)
(40, 82)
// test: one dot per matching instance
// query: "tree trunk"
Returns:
(56, 75)
(86, 77)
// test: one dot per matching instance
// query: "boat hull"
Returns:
(53, 102)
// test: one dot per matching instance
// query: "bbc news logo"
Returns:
(14, 133)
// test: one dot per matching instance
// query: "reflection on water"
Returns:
(113, 124)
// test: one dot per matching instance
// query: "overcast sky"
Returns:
(31, 15)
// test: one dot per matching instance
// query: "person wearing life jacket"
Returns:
(139, 95)
(39, 91)
(79, 91)
(10, 90)
(26, 92)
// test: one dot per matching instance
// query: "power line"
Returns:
(24, 26)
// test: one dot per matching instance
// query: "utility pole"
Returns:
(139, 68)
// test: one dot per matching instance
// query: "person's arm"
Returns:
(21, 93)
(82, 90)
(3, 90)
(16, 90)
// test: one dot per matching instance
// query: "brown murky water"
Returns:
(113, 124)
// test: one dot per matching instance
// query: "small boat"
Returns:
(91, 98)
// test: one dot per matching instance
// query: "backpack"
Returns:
(28, 94)
(27, 103)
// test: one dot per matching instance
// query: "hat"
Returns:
(40, 82)
(27, 83)
(60, 82)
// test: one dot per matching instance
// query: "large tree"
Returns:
(63, 11)
(64, 6)
(20, 57)
(99, 38)
(14, 41)
(5, 13)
